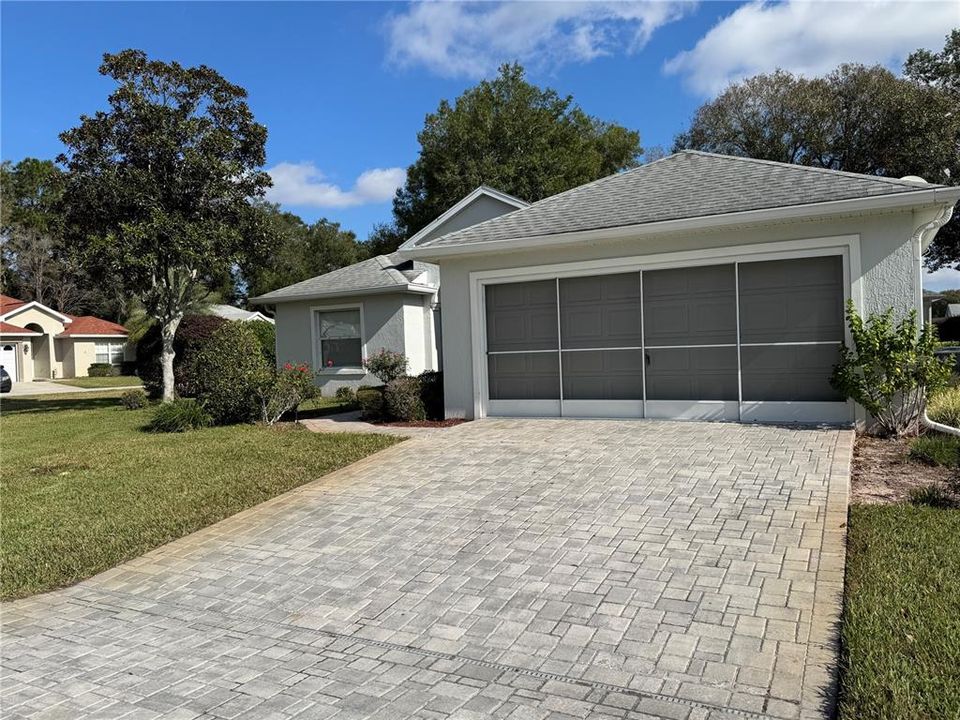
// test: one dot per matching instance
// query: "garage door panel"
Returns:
(524, 376)
(692, 374)
(789, 373)
(690, 306)
(522, 316)
(600, 311)
(603, 375)
(798, 300)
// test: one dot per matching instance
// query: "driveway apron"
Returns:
(498, 569)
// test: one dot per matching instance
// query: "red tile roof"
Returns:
(8, 303)
(10, 329)
(90, 325)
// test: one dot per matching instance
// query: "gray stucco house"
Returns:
(698, 286)
(335, 321)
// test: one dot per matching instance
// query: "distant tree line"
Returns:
(158, 202)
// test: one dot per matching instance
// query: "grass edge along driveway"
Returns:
(84, 488)
(901, 621)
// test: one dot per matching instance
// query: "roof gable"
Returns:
(685, 185)
(442, 224)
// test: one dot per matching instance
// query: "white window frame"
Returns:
(846, 246)
(111, 348)
(315, 312)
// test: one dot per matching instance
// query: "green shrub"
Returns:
(933, 495)
(403, 401)
(387, 365)
(192, 334)
(179, 416)
(230, 374)
(267, 337)
(936, 449)
(944, 407)
(134, 399)
(102, 370)
(284, 391)
(891, 369)
(346, 394)
(371, 402)
(431, 393)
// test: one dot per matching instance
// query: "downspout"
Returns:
(924, 236)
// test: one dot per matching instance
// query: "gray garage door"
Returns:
(752, 340)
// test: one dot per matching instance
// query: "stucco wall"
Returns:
(483, 208)
(383, 327)
(42, 352)
(889, 275)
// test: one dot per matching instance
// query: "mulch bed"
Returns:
(883, 471)
(425, 423)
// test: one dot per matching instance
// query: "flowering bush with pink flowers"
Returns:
(285, 391)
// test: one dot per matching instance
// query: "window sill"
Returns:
(342, 371)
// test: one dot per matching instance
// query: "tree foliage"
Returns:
(859, 119)
(508, 133)
(891, 369)
(301, 251)
(159, 191)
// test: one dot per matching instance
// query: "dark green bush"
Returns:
(431, 393)
(230, 373)
(372, 404)
(346, 394)
(267, 337)
(194, 331)
(403, 401)
(179, 416)
(134, 399)
(102, 370)
(387, 365)
(949, 330)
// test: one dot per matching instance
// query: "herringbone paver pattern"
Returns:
(504, 568)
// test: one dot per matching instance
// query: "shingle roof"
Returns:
(229, 312)
(90, 325)
(8, 303)
(687, 184)
(11, 329)
(380, 273)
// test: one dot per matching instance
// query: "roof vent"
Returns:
(914, 179)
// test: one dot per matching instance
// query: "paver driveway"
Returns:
(503, 568)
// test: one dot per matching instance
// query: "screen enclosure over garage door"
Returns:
(744, 340)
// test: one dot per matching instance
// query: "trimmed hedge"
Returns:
(192, 334)
(371, 402)
(230, 374)
(402, 397)
(431, 393)
(102, 370)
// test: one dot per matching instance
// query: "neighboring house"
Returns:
(229, 312)
(37, 342)
(335, 321)
(699, 286)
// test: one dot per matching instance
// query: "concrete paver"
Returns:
(501, 568)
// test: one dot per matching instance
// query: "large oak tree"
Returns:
(859, 119)
(525, 140)
(160, 186)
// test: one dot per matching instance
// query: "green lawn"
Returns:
(83, 488)
(901, 625)
(101, 382)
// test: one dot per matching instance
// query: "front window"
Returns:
(109, 353)
(341, 345)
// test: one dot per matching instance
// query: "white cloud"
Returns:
(471, 39)
(811, 38)
(303, 184)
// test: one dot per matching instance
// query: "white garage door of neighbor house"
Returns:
(8, 358)
(733, 341)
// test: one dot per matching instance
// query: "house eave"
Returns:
(810, 211)
(378, 290)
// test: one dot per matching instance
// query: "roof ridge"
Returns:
(812, 168)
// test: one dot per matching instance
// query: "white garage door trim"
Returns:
(846, 246)
(8, 358)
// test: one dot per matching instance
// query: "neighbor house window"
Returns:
(341, 345)
(109, 352)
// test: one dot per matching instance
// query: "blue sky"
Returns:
(343, 88)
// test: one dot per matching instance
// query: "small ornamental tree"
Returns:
(387, 365)
(891, 369)
(160, 187)
(284, 391)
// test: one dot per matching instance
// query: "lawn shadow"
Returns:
(53, 403)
